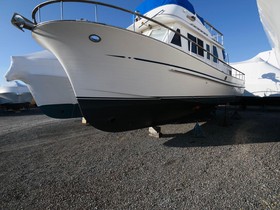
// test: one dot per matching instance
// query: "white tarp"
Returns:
(270, 18)
(15, 93)
(262, 74)
(44, 76)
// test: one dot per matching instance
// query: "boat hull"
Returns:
(61, 111)
(131, 79)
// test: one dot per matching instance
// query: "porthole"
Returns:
(94, 38)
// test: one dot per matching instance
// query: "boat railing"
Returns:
(36, 16)
(218, 36)
(157, 14)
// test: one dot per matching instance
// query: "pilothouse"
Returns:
(190, 32)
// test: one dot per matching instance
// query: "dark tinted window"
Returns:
(177, 39)
(208, 51)
(192, 44)
(200, 47)
(215, 53)
(224, 55)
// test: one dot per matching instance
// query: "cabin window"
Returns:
(192, 43)
(224, 55)
(159, 33)
(208, 51)
(215, 53)
(177, 39)
(200, 47)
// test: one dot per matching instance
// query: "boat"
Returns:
(15, 95)
(262, 75)
(270, 16)
(47, 82)
(168, 64)
(262, 86)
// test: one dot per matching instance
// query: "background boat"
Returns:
(262, 75)
(15, 95)
(270, 16)
(48, 83)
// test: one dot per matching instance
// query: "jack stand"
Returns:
(235, 115)
(225, 121)
(84, 121)
(197, 131)
(155, 132)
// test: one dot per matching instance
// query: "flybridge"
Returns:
(149, 5)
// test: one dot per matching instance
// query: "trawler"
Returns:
(168, 64)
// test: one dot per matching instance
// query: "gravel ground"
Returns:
(61, 164)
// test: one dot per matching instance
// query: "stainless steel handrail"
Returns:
(239, 74)
(160, 12)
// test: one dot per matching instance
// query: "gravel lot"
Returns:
(61, 164)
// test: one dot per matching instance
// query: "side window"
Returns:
(192, 44)
(177, 39)
(200, 47)
(208, 51)
(224, 55)
(158, 33)
(215, 53)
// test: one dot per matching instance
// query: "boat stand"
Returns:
(84, 121)
(227, 116)
(155, 132)
(225, 122)
(197, 131)
(235, 115)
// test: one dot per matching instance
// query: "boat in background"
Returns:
(262, 86)
(270, 16)
(262, 75)
(47, 82)
(168, 64)
(15, 95)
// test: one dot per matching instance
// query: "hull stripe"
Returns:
(180, 67)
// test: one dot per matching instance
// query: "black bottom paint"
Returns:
(116, 115)
(61, 111)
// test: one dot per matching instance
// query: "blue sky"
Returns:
(238, 20)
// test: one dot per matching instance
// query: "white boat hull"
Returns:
(129, 75)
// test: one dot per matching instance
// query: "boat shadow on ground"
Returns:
(247, 127)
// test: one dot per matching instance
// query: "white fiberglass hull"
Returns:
(47, 82)
(127, 66)
(270, 16)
